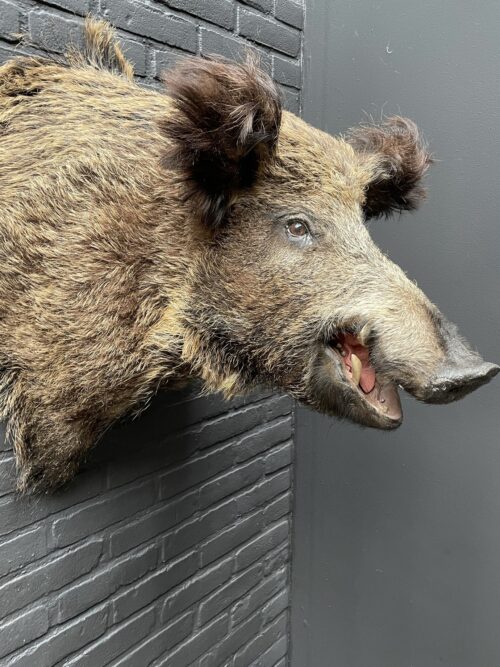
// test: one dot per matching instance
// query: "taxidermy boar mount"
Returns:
(147, 237)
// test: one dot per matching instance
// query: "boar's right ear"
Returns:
(400, 160)
(223, 126)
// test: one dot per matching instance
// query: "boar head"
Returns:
(290, 289)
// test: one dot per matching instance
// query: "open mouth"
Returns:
(375, 394)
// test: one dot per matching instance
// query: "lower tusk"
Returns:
(357, 367)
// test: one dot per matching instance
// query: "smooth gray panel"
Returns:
(397, 540)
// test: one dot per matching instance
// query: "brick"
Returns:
(273, 653)
(259, 546)
(235, 423)
(153, 523)
(220, 12)
(54, 32)
(104, 582)
(158, 643)
(62, 641)
(133, 464)
(197, 470)
(7, 474)
(230, 482)
(135, 52)
(261, 643)
(234, 640)
(255, 600)
(287, 72)
(264, 492)
(258, 394)
(277, 559)
(279, 457)
(278, 406)
(292, 99)
(10, 20)
(268, 32)
(230, 538)
(227, 594)
(164, 60)
(94, 516)
(81, 7)
(275, 607)
(198, 529)
(278, 508)
(213, 43)
(150, 588)
(115, 642)
(87, 484)
(260, 440)
(196, 645)
(23, 629)
(195, 589)
(22, 549)
(48, 576)
(145, 20)
(263, 5)
(289, 11)
(18, 512)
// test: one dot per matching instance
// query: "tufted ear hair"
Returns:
(401, 160)
(223, 126)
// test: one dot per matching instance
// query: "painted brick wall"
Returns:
(172, 547)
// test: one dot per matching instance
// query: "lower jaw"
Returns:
(384, 400)
(340, 396)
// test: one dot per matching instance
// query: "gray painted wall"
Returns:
(173, 546)
(397, 540)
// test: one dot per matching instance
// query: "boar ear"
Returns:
(401, 160)
(223, 126)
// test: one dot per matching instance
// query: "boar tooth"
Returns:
(363, 334)
(356, 369)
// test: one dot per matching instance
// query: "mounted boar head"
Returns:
(206, 233)
(292, 291)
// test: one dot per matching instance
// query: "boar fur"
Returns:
(145, 237)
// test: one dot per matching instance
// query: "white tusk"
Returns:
(363, 334)
(357, 367)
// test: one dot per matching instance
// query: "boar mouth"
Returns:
(372, 397)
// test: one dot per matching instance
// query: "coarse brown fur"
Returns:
(397, 183)
(220, 111)
(143, 239)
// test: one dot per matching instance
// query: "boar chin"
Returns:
(345, 384)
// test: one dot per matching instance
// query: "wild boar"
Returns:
(147, 237)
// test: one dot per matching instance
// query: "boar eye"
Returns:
(297, 228)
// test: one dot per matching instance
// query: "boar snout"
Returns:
(462, 371)
(412, 346)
